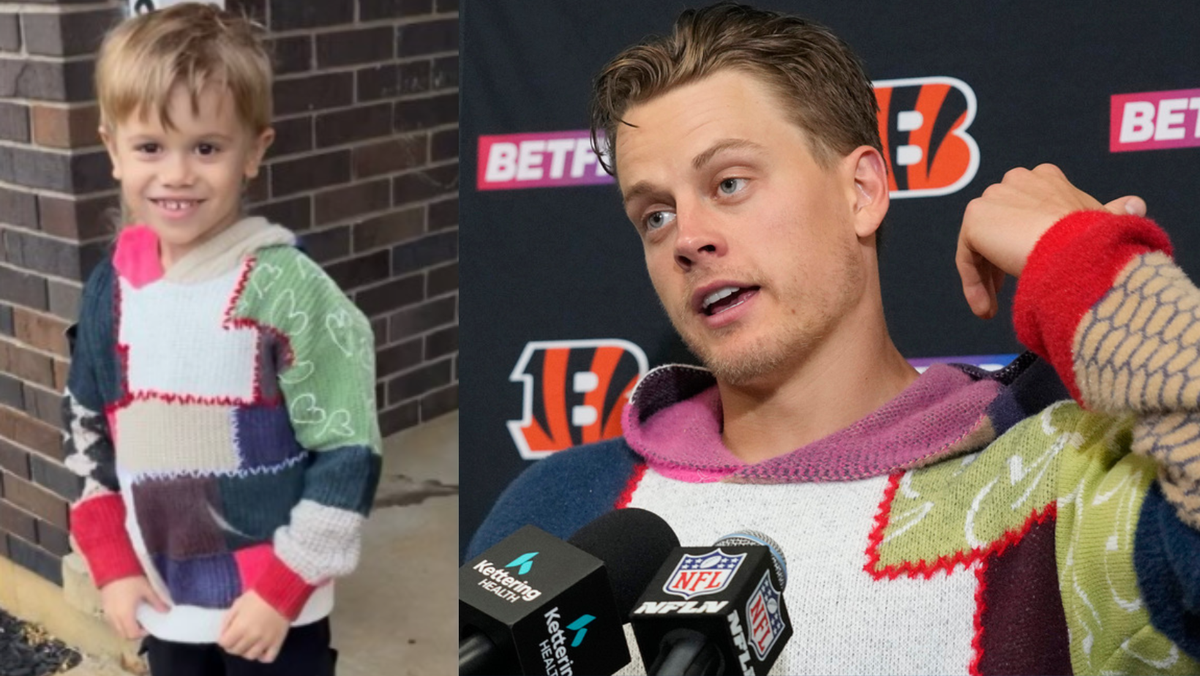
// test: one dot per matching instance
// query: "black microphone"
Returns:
(534, 604)
(715, 610)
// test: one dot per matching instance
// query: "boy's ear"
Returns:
(110, 146)
(255, 158)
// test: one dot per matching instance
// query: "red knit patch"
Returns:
(283, 588)
(639, 471)
(98, 524)
(945, 562)
(1070, 269)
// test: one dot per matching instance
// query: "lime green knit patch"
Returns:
(330, 385)
(965, 505)
(1109, 624)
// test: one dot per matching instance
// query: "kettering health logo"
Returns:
(1155, 120)
(525, 561)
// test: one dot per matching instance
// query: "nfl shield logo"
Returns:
(764, 617)
(704, 574)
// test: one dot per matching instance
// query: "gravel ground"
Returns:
(27, 650)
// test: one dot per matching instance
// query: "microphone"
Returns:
(533, 604)
(715, 610)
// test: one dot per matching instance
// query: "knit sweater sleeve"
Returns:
(326, 376)
(1101, 298)
(98, 515)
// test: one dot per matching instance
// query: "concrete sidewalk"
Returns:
(398, 613)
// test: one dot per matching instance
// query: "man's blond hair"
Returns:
(191, 45)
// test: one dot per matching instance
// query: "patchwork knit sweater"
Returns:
(979, 523)
(223, 416)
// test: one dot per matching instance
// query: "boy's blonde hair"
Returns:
(143, 59)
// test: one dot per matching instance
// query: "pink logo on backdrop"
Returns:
(538, 160)
(1155, 120)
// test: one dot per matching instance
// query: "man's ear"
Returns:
(110, 146)
(871, 198)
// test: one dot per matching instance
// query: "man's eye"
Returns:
(148, 148)
(731, 185)
(658, 219)
(207, 149)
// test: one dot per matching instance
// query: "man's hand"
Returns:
(252, 629)
(1001, 227)
(120, 600)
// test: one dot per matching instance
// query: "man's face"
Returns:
(186, 182)
(750, 243)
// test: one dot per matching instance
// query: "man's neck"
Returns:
(852, 373)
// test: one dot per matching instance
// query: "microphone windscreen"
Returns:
(744, 538)
(633, 543)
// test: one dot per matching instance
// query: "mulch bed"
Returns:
(27, 650)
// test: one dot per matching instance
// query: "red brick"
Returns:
(32, 434)
(394, 154)
(427, 37)
(439, 402)
(359, 45)
(388, 229)
(42, 504)
(26, 364)
(354, 124)
(60, 127)
(356, 272)
(424, 184)
(17, 521)
(42, 331)
(399, 418)
(79, 219)
(352, 200)
(308, 173)
(61, 370)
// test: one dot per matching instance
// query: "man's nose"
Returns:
(698, 236)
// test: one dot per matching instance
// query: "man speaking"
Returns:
(955, 521)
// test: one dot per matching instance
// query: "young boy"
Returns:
(221, 399)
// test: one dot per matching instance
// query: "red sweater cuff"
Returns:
(1070, 269)
(283, 588)
(98, 525)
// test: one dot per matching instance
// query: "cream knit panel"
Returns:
(1138, 349)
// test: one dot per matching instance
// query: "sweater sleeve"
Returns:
(1102, 300)
(98, 516)
(327, 380)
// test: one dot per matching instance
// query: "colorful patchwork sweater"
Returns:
(223, 416)
(979, 523)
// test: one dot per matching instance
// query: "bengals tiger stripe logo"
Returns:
(923, 123)
(575, 391)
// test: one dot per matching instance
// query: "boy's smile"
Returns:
(184, 178)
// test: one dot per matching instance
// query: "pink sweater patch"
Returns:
(136, 256)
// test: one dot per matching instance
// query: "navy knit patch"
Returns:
(264, 436)
(1033, 385)
(255, 504)
(1165, 555)
(560, 494)
(344, 478)
(208, 582)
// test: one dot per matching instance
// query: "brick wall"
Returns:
(364, 168)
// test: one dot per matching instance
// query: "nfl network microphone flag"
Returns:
(729, 594)
(545, 604)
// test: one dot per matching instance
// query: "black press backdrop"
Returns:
(558, 316)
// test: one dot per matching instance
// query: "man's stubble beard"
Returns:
(789, 344)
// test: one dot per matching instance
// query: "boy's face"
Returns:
(186, 182)
(750, 243)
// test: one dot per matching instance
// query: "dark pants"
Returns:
(305, 652)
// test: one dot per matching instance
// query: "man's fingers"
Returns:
(1129, 205)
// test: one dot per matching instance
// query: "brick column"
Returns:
(365, 169)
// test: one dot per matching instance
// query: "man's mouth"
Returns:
(724, 298)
